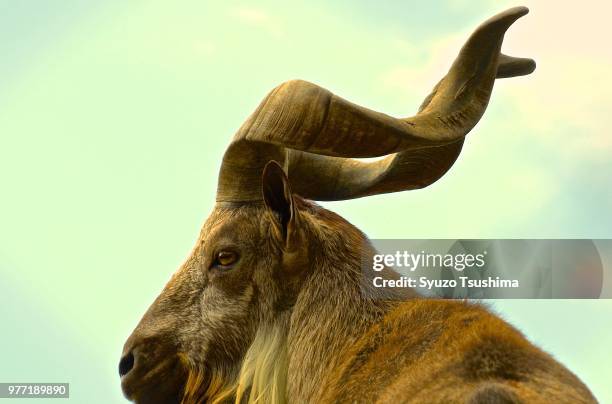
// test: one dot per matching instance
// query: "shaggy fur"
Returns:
(262, 377)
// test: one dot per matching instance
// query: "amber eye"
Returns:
(226, 258)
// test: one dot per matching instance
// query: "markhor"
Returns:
(496, 282)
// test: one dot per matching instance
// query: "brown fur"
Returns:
(316, 332)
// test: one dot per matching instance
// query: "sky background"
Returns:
(114, 116)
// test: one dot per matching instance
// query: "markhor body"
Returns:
(270, 306)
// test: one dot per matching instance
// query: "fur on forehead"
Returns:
(254, 212)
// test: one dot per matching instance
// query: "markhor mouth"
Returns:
(162, 382)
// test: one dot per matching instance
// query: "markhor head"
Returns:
(219, 329)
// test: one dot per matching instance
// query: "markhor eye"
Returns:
(226, 258)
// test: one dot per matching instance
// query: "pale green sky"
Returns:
(114, 116)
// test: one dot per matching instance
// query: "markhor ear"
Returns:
(279, 201)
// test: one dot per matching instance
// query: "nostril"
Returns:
(126, 364)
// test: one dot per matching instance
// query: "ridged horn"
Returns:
(316, 134)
